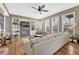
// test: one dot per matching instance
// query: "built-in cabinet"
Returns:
(15, 26)
(23, 27)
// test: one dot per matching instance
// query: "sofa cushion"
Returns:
(40, 39)
(35, 40)
(43, 38)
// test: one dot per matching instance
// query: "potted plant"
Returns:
(77, 38)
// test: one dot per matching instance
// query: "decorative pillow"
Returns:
(35, 40)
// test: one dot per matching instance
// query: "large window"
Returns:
(69, 23)
(47, 26)
(55, 24)
(1, 23)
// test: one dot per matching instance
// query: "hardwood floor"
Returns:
(17, 47)
(69, 49)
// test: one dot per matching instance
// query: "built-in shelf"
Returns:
(15, 26)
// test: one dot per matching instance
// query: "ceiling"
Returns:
(25, 9)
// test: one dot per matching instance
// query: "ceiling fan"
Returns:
(40, 9)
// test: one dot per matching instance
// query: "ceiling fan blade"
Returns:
(34, 8)
(42, 6)
(44, 10)
(39, 8)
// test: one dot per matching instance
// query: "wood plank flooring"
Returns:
(69, 49)
(17, 48)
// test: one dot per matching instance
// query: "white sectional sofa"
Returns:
(46, 45)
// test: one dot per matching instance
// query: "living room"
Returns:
(38, 28)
